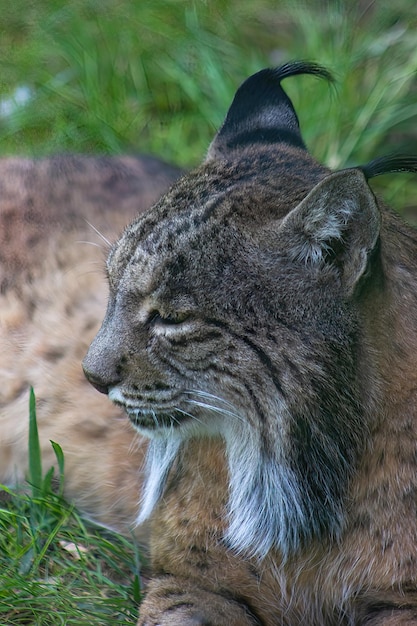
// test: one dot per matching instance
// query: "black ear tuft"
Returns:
(261, 110)
(388, 164)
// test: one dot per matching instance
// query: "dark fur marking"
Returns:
(265, 136)
(261, 354)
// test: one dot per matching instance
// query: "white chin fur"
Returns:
(115, 395)
(162, 452)
(267, 506)
(163, 448)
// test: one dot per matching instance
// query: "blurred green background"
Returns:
(110, 76)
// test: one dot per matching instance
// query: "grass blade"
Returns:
(61, 464)
(35, 461)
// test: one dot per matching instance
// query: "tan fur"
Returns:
(262, 331)
(53, 292)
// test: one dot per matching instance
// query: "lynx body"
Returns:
(261, 330)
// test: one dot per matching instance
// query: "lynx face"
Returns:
(233, 313)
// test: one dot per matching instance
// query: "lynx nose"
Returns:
(97, 374)
(98, 383)
(100, 364)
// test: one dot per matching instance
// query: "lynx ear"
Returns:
(262, 112)
(338, 223)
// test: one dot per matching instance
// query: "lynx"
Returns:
(52, 293)
(261, 332)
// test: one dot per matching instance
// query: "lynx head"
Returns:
(233, 313)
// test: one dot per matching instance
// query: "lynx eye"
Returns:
(167, 319)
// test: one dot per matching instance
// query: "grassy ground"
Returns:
(55, 567)
(58, 569)
(157, 76)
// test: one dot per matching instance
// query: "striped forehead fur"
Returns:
(214, 186)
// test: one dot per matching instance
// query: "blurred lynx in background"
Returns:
(57, 217)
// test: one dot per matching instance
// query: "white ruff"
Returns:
(160, 457)
(266, 507)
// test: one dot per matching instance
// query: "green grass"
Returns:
(158, 76)
(56, 568)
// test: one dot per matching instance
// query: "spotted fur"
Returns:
(261, 331)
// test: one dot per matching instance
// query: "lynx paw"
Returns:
(183, 605)
(179, 616)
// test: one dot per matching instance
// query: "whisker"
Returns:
(97, 272)
(136, 442)
(91, 243)
(155, 419)
(102, 237)
(174, 419)
(193, 417)
(211, 396)
(216, 409)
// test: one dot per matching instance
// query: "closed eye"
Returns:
(168, 319)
